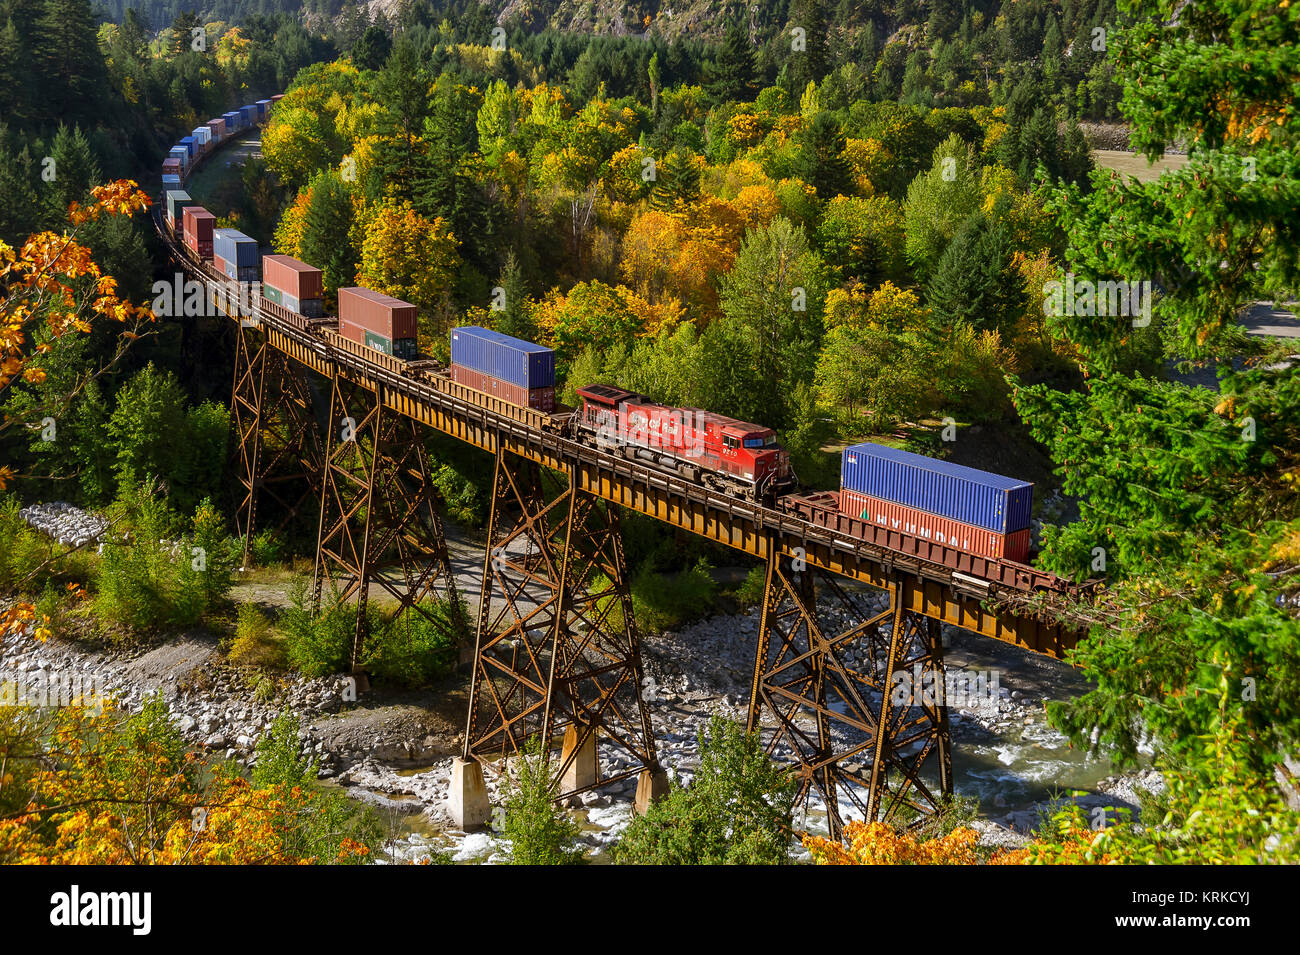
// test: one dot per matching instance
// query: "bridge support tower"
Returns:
(556, 648)
(378, 522)
(854, 698)
(275, 446)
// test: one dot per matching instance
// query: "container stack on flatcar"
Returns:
(197, 226)
(975, 511)
(236, 256)
(202, 139)
(378, 321)
(182, 156)
(177, 200)
(293, 285)
(518, 371)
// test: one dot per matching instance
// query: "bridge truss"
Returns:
(555, 653)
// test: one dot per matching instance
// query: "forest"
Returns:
(844, 221)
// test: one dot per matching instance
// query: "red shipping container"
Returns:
(382, 314)
(202, 247)
(288, 274)
(539, 399)
(941, 530)
(171, 167)
(197, 222)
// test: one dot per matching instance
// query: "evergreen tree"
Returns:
(404, 92)
(516, 317)
(822, 164)
(183, 27)
(327, 224)
(20, 211)
(975, 283)
(732, 74)
(72, 68)
(445, 186)
(677, 182)
(371, 51)
(75, 171)
(810, 64)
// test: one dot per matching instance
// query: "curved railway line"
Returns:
(554, 649)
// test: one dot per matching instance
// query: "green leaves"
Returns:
(736, 811)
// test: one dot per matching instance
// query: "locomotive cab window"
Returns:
(729, 442)
(761, 442)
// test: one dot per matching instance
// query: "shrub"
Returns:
(23, 549)
(750, 592)
(266, 549)
(419, 646)
(662, 602)
(735, 812)
(255, 643)
(322, 643)
(323, 825)
(540, 833)
(153, 576)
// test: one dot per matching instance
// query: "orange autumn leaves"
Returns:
(878, 843)
(119, 793)
(54, 281)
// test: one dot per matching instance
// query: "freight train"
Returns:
(973, 521)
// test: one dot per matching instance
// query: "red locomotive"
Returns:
(701, 446)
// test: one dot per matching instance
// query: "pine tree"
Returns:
(75, 171)
(516, 317)
(822, 164)
(808, 65)
(372, 49)
(732, 75)
(72, 68)
(677, 183)
(404, 93)
(975, 283)
(183, 27)
(327, 225)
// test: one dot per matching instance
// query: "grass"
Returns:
(1132, 164)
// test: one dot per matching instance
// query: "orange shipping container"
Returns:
(382, 314)
(291, 276)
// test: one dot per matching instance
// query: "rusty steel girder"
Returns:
(275, 448)
(851, 736)
(378, 520)
(556, 645)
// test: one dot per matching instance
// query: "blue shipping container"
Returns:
(236, 248)
(991, 501)
(171, 182)
(249, 114)
(233, 120)
(511, 359)
(263, 108)
(188, 143)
